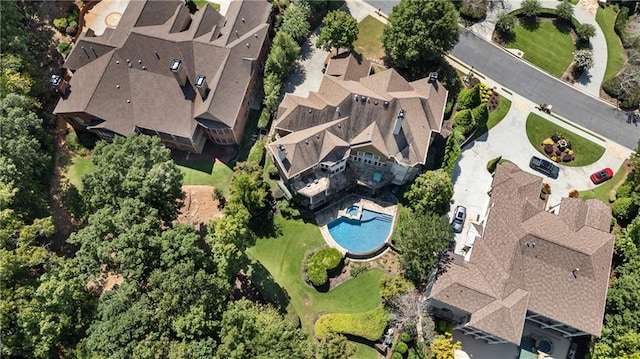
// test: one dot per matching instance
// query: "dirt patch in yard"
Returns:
(199, 206)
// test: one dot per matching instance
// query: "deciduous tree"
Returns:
(419, 32)
(134, 167)
(421, 239)
(431, 191)
(339, 31)
(444, 347)
(295, 19)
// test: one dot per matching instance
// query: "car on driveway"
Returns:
(545, 167)
(459, 216)
(601, 176)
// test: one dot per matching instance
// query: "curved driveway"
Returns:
(537, 86)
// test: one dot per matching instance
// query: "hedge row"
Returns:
(546, 12)
(621, 22)
(256, 153)
(368, 325)
(319, 263)
(469, 98)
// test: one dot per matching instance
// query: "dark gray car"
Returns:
(545, 167)
(459, 216)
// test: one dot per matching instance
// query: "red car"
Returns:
(601, 176)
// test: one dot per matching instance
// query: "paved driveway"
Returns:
(509, 140)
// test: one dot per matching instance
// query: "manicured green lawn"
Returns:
(364, 351)
(546, 47)
(601, 192)
(586, 151)
(79, 167)
(206, 173)
(615, 55)
(282, 257)
(369, 42)
(494, 117)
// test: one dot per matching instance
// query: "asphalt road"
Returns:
(537, 86)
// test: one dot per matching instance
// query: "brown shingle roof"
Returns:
(150, 35)
(366, 118)
(349, 66)
(526, 249)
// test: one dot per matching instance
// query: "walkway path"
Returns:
(589, 82)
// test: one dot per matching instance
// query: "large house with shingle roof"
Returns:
(528, 264)
(373, 132)
(166, 72)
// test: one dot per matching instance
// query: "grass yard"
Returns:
(615, 54)
(546, 46)
(369, 42)
(206, 173)
(586, 151)
(282, 257)
(602, 191)
(79, 166)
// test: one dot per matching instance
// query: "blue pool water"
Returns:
(352, 210)
(363, 236)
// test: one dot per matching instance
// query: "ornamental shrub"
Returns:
(624, 208)
(368, 325)
(396, 355)
(405, 337)
(530, 8)
(621, 21)
(564, 11)
(64, 48)
(256, 154)
(60, 23)
(319, 263)
(392, 285)
(469, 98)
(612, 87)
(265, 116)
(492, 164)
(358, 269)
(506, 23)
(624, 190)
(401, 348)
(585, 31)
(480, 115)
(463, 121)
(287, 210)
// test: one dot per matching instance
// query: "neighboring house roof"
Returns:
(123, 76)
(348, 65)
(343, 115)
(526, 260)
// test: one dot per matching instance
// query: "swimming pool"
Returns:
(361, 236)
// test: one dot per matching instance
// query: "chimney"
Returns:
(201, 85)
(399, 120)
(433, 77)
(179, 72)
(59, 84)
(282, 153)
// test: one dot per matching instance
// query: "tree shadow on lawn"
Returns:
(530, 23)
(562, 26)
(271, 291)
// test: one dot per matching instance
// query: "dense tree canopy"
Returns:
(134, 167)
(431, 191)
(295, 19)
(419, 32)
(24, 155)
(339, 31)
(421, 239)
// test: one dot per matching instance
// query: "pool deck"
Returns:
(387, 205)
